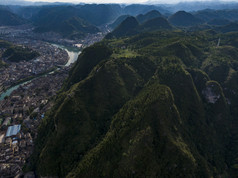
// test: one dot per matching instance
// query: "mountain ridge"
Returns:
(160, 100)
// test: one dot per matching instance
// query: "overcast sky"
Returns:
(113, 1)
(127, 1)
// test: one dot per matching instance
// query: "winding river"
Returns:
(73, 53)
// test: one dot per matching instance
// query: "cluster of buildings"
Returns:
(20, 115)
(49, 58)
(15, 148)
(22, 111)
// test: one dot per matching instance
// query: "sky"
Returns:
(134, 1)
(121, 1)
(124, 1)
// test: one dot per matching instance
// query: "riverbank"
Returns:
(72, 52)
(26, 105)
(9, 90)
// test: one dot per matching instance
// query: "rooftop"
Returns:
(13, 130)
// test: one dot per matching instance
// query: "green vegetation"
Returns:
(148, 16)
(182, 18)
(74, 21)
(14, 53)
(7, 18)
(130, 26)
(118, 21)
(5, 44)
(18, 53)
(155, 104)
(127, 27)
(72, 27)
(126, 53)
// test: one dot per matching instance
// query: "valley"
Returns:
(111, 90)
(27, 90)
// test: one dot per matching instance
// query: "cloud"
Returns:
(108, 1)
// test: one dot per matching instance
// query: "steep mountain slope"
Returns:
(134, 137)
(158, 104)
(130, 26)
(182, 18)
(120, 83)
(118, 21)
(99, 14)
(91, 13)
(209, 14)
(63, 20)
(231, 27)
(148, 16)
(136, 9)
(127, 27)
(156, 24)
(218, 22)
(26, 12)
(7, 18)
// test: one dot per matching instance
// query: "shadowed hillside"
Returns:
(156, 103)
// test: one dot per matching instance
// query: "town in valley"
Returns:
(27, 89)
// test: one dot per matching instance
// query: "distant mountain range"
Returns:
(63, 20)
(196, 5)
(140, 18)
(209, 14)
(118, 21)
(148, 16)
(182, 18)
(8, 18)
(222, 21)
(76, 21)
(131, 26)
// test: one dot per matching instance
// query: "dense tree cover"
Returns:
(63, 20)
(8, 18)
(76, 21)
(182, 18)
(157, 104)
(130, 26)
(5, 44)
(210, 14)
(14, 53)
(148, 16)
(118, 21)
(126, 28)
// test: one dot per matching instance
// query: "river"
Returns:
(73, 53)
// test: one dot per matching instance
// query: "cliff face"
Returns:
(154, 104)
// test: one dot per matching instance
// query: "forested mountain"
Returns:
(156, 98)
(14, 53)
(157, 104)
(141, 18)
(154, 24)
(126, 28)
(7, 18)
(148, 16)
(232, 27)
(209, 14)
(182, 18)
(64, 20)
(130, 26)
(118, 21)
(75, 21)
(136, 9)
(219, 22)
(99, 14)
